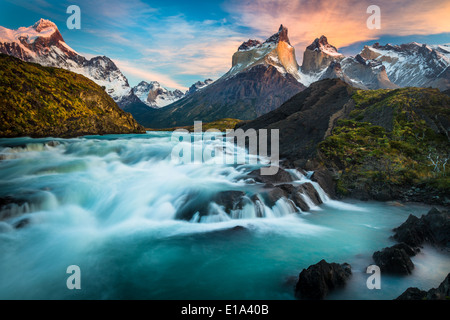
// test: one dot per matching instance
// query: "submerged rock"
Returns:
(11, 207)
(319, 279)
(230, 200)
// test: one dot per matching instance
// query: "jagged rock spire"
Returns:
(281, 35)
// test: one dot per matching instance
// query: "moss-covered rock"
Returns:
(394, 144)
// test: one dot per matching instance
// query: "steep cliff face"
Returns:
(319, 55)
(42, 101)
(275, 51)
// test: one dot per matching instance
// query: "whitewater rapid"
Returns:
(109, 205)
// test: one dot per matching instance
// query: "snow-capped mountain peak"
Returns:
(199, 85)
(321, 44)
(154, 95)
(281, 35)
(43, 43)
(276, 51)
(44, 24)
(413, 64)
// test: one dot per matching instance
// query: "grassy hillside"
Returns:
(395, 143)
(221, 125)
(42, 101)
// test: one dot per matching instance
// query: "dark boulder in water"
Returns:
(319, 279)
(440, 293)
(432, 228)
(198, 202)
(282, 176)
(393, 260)
(11, 207)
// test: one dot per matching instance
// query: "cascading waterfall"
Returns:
(156, 186)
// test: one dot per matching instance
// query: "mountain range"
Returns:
(263, 74)
(42, 43)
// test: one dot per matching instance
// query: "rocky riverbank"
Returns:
(318, 280)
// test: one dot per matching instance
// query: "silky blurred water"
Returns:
(108, 204)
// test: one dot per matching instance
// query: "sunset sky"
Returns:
(180, 42)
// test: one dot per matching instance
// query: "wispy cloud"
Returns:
(193, 47)
(149, 75)
(179, 47)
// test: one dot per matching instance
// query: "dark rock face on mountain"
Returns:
(281, 35)
(249, 44)
(319, 279)
(432, 228)
(440, 293)
(307, 118)
(42, 101)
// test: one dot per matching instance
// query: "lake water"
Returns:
(109, 205)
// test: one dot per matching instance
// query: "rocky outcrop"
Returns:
(282, 176)
(315, 282)
(440, 293)
(267, 191)
(395, 259)
(432, 228)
